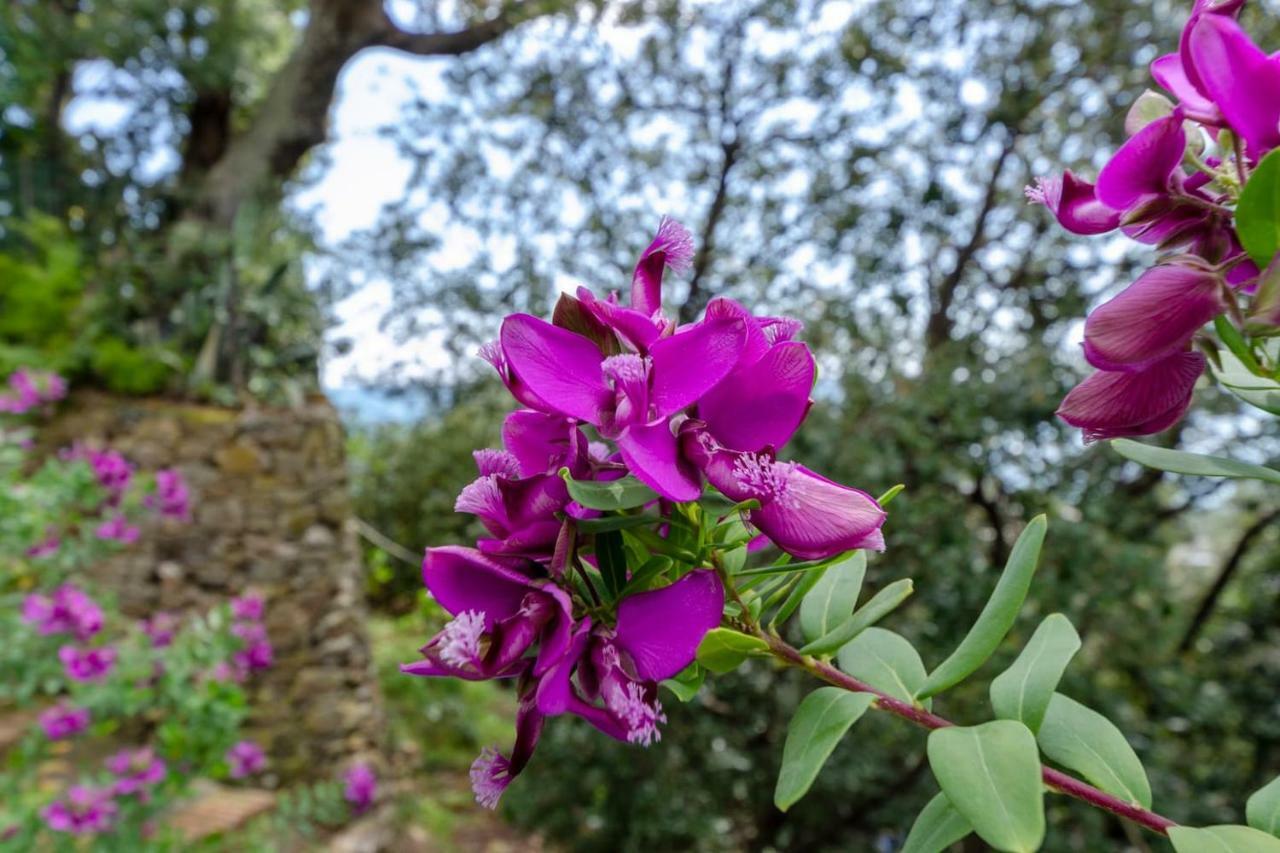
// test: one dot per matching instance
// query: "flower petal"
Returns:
(1143, 167)
(691, 362)
(560, 367)
(1114, 404)
(1240, 78)
(1152, 318)
(653, 455)
(661, 629)
(815, 518)
(544, 443)
(464, 579)
(1073, 201)
(761, 404)
(672, 247)
(1167, 70)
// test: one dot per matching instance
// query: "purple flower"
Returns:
(256, 653)
(246, 758)
(1112, 404)
(161, 628)
(499, 614)
(248, 607)
(112, 470)
(87, 664)
(171, 498)
(68, 611)
(361, 787)
(63, 721)
(118, 529)
(1222, 67)
(672, 247)
(31, 389)
(136, 771)
(85, 811)
(46, 547)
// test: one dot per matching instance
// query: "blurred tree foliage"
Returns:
(148, 143)
(860, 166)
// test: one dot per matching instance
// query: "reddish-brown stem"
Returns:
(1055, 779)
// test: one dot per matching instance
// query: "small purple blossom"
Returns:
(84, 811)
(68, 611)
(30, 389)
(47, 546)
(63, 721)
(171, 498)
(160, 627)
(87, 664)
(247, 607)
(118, 529)
(136, 771)
(490, 776)
(246, 758)
(361, 787)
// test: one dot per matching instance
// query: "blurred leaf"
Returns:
(1182, 462)
(1222, 839)
(834, 596)
(624, 493)
(821, 720)
(1087, 742)
(1022, 692)
(937, 828)
(997, 616)
(724, 649)
(991, 775)
(886, 661)
(1258, 211)
(1263, 809)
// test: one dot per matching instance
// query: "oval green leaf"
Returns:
(881, 605)
(1258, 211)
(833, 597)
(1222, 839)
(819, 723)
(724, 649)
(937, 828)
(1182, 462)
(991, 774)
(624, 493)
(886, 661)
(1263, 809)
(686, 683)
(997, 616)
(1079, 738)
(1022, 692)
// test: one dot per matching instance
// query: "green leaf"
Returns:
(652, 568)
(884, 499)
(1222, 839)
(686, 683)
(724, 649)
(614, 522)
(1182, 462)
(834, 597)
(1237, 378)
(819, 723)
(1083, 740)
(805, 584)
(1258, 211)
(886, 661)
(881, 605)
(937, 828)
(624, 493)
(1022, 692)
(612, 560)
(991, 774)
(997, 616)
(1235, 342)
(1263, 809)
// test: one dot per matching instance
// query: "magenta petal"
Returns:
(815, 518)
(671, 247)
(755, 344)
(1240, 78)
(464, 579)
(1153, 317)
(560, 367)
(543, 443)
(1144, 166)
(653, 455)
(638, 328)
(555, 691)
(1075, 204)
(761, 404)
(1114, 404)
(691, 363)
(661, 629)
(1167, 70)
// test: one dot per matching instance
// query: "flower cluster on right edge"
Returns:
(1176, 185)
(620, 396)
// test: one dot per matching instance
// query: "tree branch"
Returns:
(1229, 568)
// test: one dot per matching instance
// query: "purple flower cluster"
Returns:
(161, 627)
(1172, 185)
(137, 771)
(245, 759)
(30, 389)
(84, 811)
(83, 663)
(69, 610)
(361, 787)
(63, 721)
(676, 406)
(171, 498)
(112, 471)
(256, 652)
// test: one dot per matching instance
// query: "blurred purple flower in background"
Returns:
(118, 529)
(87, 664)
(161, 627)
(172, 498)
(246, 758)
(361, 787)
(63, 721)
(136, 771)
(84, 811)
(68, 611)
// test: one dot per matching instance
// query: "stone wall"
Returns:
(272, 516)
